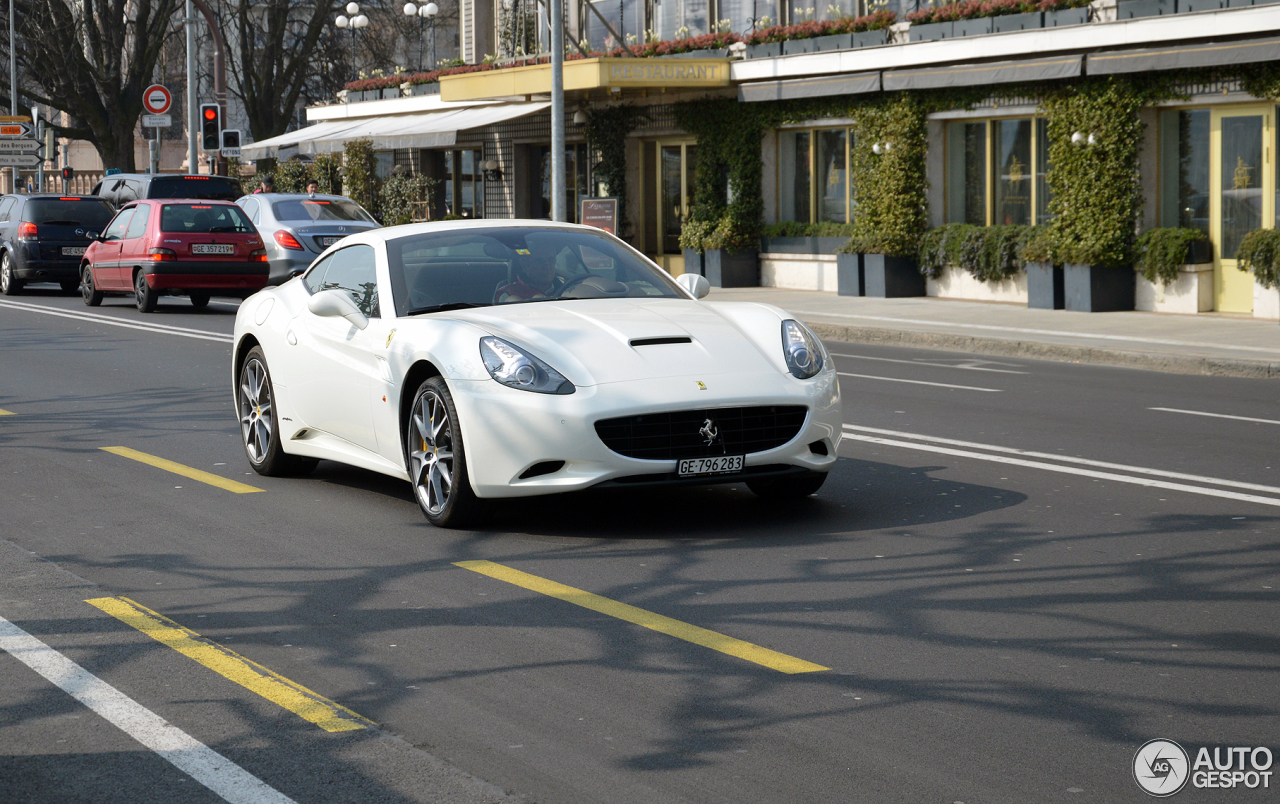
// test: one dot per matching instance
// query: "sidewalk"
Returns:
(1208, 343)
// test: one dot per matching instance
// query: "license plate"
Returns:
(212, 248)
(73, 251)
(699, 467)
(325, 242)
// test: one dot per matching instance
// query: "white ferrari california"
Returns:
(482, 359)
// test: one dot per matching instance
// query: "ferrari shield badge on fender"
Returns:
(701, 386)
(390, 335)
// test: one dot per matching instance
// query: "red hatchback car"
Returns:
(180, 248)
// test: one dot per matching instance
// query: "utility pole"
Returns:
(193, 146)
(219, 75)
(557, 111)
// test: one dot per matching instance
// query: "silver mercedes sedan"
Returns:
(297, 227)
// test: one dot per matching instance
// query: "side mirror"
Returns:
(332, 303)
(698, 286)
(95, 236)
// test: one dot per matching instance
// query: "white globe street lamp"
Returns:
(426, 13)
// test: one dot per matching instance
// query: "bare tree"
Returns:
(93, 58)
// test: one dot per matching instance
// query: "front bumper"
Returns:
(506, 431)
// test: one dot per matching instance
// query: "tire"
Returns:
(70, 286)
(788, 488)
(436, 458)
(10, 285)
(143, 295)
(259, 425)
(88, 291)
(199, 299)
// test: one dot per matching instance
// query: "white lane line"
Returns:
(1214, 481)
(921, 382)
(1019, 330)
(928, 364)
(224, 777)
(91, 318)
(1071, 470)
(1217, 415)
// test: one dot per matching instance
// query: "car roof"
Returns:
(281, 196)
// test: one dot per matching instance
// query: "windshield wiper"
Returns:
(59, 223)
(440, 308)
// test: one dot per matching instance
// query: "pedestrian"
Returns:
(313, 187)
(268, 186)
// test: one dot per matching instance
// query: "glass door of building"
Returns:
(668, 194)
(1241, 196)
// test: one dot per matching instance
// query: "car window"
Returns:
(250, 206)
(319, 209)
(117, 228)
(138, 224)
(127, 191)
(91, 213)
(351, 269)
(204, 219)
(6, 207)
(314, 278)
(214, 188)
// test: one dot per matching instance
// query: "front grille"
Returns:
(675, 435)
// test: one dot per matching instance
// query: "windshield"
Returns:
(217, 188)
(203, 219)
(510, 265)
(307, 210)
(91, 213)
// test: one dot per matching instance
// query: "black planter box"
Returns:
(832, 42)
(849, 277)
(740, 269)
(390, 92)
(930, 31)
(426, 89)
(1188, 6)
(976, 26)
(1018, 22)
(1097, 288)
(764, 50)
(886, 277)
(693, 262)
(1199, 252)
(871, 38)
(1045, 290)
(793, 46)
(1066, 16)
(801, 245)
(699, 54)
(1131, 9)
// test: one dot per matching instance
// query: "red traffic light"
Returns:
(210, 114)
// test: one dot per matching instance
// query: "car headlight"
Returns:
(801, 349)
(518, 369)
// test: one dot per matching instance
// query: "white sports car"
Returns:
(482, 359)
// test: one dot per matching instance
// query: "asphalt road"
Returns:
(1018, 573)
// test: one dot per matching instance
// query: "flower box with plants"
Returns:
(1174, 271)
(1045, 283)
(812, 36)
(1259, 252)
(972, 17)
(729, 256)
(982, 263)
(889, 268)
(804, 238)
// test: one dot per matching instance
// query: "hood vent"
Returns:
(659, 341)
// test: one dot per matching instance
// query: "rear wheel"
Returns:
(788, 488)
(143, 294)
(70, 286)
(88, 291)
(259, 426)
(10, 285)
(199, 299)
(437, 460)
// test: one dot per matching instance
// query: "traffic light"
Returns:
(210, 126)
(230, 138)
(68, 173)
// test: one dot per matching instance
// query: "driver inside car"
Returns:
(535, 279)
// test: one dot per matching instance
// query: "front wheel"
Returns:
(143, 294)
(88, 291)
(788, 488)
(10, 285)
(437, 460)
(259, 426)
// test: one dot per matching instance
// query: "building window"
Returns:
(997, 171)
(813, 176)
(575, 186)
(1184, 169)
(463, 184)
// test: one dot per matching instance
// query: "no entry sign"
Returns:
(156, 99)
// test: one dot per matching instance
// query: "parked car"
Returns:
(562, 356)
(298, 227)
(121, 188)
(187, 248)
(44, 238)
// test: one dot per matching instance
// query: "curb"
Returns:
(1148, 361)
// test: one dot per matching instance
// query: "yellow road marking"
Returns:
(6, 412)
(657, 622)
(185, 471)
(247, 673)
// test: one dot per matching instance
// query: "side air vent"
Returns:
(542, 468)
(658, 341)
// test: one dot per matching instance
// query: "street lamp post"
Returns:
(352, 21)
(425, 13)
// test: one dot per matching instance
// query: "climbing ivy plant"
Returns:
(607, 129)
(727, 202)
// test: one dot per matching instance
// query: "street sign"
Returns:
(15, 129)
(20, 160)
(14, 118)
(156, 100)
(20, 146)
(157, 120)
(230, 153)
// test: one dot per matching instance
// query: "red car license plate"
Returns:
(212, 248)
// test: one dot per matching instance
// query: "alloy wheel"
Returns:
(431, 457)
(255, 410)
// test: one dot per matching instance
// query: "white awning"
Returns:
(391, 132)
